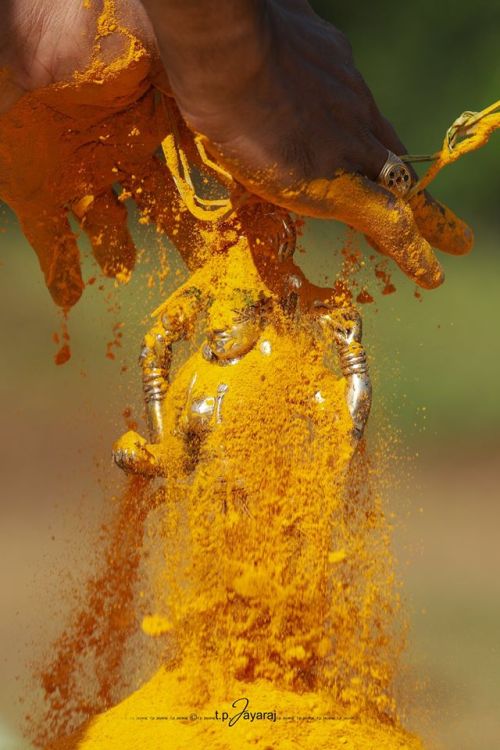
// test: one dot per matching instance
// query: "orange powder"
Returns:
(100, 626)
(276, 580)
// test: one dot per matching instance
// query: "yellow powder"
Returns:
(276, 579)
(166, 714)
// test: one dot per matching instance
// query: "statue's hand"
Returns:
(134, 455)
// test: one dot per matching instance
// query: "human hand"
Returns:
(66, 137)
(274, 90)
(78, 117)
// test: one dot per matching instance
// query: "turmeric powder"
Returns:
(276, 581)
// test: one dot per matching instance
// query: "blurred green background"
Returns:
(436, 366)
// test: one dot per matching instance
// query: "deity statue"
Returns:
(238, 321)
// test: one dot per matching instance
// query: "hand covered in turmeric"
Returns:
(271, 86)
(276, 93)
(79, 116)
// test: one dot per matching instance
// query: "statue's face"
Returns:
(234, 340)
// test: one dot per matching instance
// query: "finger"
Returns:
(51, 237)
(104, 221)
(440, 226)
(351, 197)
(377, 213)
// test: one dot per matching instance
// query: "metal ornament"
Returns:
(395, 175)
(346, 325)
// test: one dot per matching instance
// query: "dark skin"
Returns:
(271, 86)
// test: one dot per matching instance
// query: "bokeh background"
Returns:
(436, 363)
